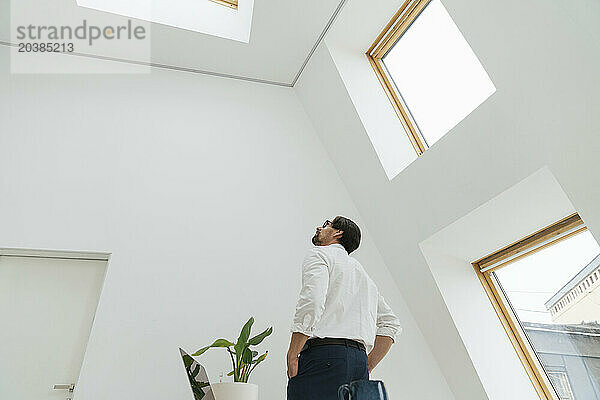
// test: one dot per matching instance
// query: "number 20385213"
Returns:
(46, 47)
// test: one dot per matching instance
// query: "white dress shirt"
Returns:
(339, 300)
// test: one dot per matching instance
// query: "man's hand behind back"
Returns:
(292, 366)
(296, 343)
(381, 347)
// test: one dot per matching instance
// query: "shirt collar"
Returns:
(337, 245)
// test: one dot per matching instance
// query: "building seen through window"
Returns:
(555, 295)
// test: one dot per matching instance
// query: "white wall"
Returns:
(206, 191)
(543, 58)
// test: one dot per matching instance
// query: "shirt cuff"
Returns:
(386, 331)
(302, 329)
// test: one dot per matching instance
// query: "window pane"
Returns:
(558, 317)
(436, 72)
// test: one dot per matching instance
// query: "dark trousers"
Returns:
(323, 369)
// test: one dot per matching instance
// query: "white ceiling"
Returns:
(282, 36)
(283, 33)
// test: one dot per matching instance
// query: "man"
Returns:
(340, 316)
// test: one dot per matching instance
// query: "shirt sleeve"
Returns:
(311, 302)
(388, 323)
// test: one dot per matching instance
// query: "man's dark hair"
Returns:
(351, 237)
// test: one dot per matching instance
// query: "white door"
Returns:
(47, 307)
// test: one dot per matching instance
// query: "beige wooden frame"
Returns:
(228, 3)
(526, 246)
(399, 23)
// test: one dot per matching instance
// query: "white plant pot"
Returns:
(235, 391)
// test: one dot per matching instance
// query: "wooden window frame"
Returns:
(227, 3)
(393, 31)
(484, 268)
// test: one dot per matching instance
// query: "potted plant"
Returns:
(244, 360)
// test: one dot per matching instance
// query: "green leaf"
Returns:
(222, 343)
(245, 333)
(201, 351)
(197, 390)
(254, 354)
(242, 342)
(247, 356)
(187, 361)
(230, 373)
(260, 337)
(261, 358)
(196, 371)
(216, 343)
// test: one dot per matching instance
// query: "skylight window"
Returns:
(535, 287)
(232, 22)
(429, 71)
(227, 3)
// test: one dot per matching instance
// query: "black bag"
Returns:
(363, 390)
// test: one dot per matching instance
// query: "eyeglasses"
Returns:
(327, 222)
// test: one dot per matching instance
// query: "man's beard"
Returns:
(315, 239)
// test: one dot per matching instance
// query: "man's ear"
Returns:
(338, 234)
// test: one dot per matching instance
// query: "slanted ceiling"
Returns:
(282, 38)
